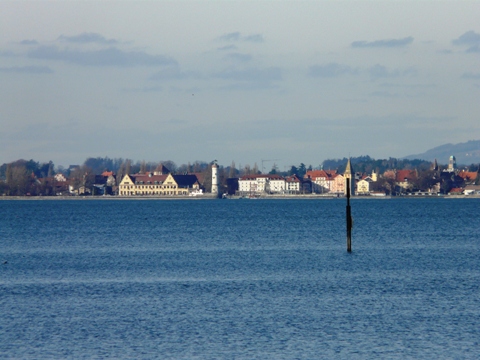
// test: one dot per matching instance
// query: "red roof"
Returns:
(405, 174)
(326, 174)
(456, 190)
(468, 175)
(257, 176)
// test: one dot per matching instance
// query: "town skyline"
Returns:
(233, 80)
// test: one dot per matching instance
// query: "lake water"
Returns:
(239, 279)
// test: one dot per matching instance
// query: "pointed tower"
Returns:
(215, 178)
(349, 174)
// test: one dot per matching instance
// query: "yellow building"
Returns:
(158, 185)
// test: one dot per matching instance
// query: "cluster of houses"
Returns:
(332, 183)
(162, 182)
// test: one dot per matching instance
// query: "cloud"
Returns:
(105, 57)
(470, 38)
(29, 42)
(330, 70)
(234, 36)
(237, 36)
(470, 75)
(239, 57)
(386, 43)
(227, 48)
(379, 71)
(473, 49)
(26, 70)
(7, 53)
(86, 38)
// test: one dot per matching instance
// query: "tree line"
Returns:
(23, 177)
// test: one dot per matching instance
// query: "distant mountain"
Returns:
(465, 153)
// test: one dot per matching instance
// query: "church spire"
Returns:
(349, 174)
(348, 169)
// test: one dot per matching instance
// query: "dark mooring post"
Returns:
(349, 219)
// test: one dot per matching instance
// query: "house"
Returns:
(158, 185)
(338, 185)
(468, 177)
(405, 178)
(456, 191)
(293, 184)
(321, 180)
(363, 185)
(472, 190)
(256, 184)
(60, 177)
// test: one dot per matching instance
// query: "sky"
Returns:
(284, 82)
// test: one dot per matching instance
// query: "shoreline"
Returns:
(211, 197)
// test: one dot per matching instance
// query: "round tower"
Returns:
(214, 178)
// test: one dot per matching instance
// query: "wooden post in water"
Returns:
(349, 219)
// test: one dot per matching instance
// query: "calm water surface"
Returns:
(239, 279)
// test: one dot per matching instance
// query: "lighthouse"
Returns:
(215, 178)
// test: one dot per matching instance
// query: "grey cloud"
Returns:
(473, 49)
(387, 43)
(86, 38)
(330, 70)
(237, 36)
(239, 57)
(7, 53)
(227, 48)
(105, 57)
(234, 36)
(26, 70)
(29, 42)
(379, 71)
(470, 38)
(470, 75)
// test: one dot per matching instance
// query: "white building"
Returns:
(214, 178)
(256, 184)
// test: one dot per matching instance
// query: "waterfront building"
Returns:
(158, 185)
(257, 184)
(321, 180)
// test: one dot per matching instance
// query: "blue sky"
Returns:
(295, 81)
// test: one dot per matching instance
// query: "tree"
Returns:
(143, 167)
(20, 181)
(301, 170)
(232, 171)
(293, 170)
(274, 169)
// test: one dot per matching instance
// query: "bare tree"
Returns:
(232, 171)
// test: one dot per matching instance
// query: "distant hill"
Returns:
(466, 153)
